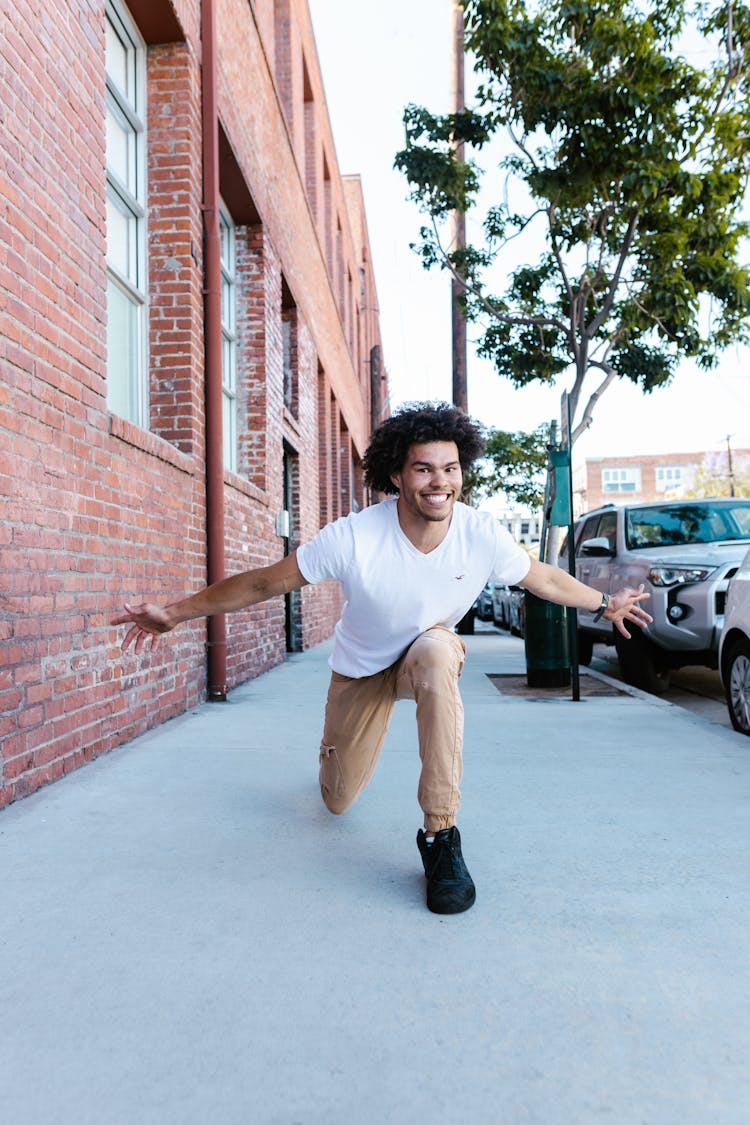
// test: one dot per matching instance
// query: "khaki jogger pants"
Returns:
(358, 712)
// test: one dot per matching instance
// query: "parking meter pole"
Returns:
(575, 678)
(549, 486)
(546, 632)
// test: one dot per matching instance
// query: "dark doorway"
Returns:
(293, 600)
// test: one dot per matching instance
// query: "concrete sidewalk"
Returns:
(188, 937)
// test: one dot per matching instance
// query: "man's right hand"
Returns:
(146, 621)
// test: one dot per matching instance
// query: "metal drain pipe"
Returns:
(217, 633)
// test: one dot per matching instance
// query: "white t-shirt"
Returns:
(395, 592)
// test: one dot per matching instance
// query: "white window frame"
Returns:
(127, 386)
(621, 478)
(228, 241)
(671, 476)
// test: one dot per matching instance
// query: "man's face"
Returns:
(430, 482)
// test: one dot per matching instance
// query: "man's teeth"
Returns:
(437, 498)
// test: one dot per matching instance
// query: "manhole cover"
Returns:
(510, 684)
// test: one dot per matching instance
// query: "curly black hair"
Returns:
(413, 423)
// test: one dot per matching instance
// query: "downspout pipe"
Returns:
(215, 566)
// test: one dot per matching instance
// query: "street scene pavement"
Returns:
(697, 689)
(189, 937)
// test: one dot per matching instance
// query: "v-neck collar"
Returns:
(415, 550)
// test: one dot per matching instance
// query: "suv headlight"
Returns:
(678, 575)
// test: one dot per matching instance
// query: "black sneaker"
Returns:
(450, 888)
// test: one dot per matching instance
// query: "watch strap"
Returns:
(602, 608)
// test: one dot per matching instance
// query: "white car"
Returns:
(734, 648)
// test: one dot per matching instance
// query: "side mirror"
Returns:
(596, 548)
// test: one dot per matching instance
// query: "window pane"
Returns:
(122, 232)
(227, 305)
(230, 441)
(227, 363)
(117, 58)
(225, 236)
(122, 351)
(121, 149)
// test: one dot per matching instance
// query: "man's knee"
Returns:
(435, 656)
(333, 789)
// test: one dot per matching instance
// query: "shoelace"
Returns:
(449, 863)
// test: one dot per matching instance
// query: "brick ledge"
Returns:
(151, 443)
(246, 487)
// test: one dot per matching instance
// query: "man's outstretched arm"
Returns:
(556, 585)
(238, 592)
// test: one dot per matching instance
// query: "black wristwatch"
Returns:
(602, 608)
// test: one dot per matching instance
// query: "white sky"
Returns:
(375, 59)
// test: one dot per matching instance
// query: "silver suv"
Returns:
(684, 552)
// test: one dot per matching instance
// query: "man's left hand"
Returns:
(624, 606)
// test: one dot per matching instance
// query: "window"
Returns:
(289, 341)
(228, 337)
(691, 522)
(607, 529)
(286, 337)
(621, 480)
(670, 476)
(587, 530)
(127, 388)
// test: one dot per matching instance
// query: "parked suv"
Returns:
(734, 649)
(684, 552)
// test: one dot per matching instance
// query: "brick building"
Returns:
(647, 477)
(189, 347)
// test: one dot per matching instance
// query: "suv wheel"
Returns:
(585, 648)
(738, 686)
(466, 624)
(639, 663)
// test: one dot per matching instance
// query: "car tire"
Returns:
(465, 626)
(738, 686)
(639, 663)
(585, 648)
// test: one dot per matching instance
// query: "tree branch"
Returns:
(586, 417)
(572, 338)
(652, 316)
(498, 314)
(520, 145)
(606, 308)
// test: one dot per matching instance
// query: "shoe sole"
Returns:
(452, 908)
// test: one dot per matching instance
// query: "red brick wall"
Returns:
(96, 510)
(174, 251)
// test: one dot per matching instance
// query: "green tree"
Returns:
(514, 465)
(712, 479)
(631, 167)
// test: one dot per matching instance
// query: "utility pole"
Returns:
(729, 465)
(458, 219)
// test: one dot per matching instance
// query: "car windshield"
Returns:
(690, 522)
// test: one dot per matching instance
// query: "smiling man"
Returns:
(410, 568)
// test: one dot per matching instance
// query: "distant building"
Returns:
(654, 476)
(524, 526)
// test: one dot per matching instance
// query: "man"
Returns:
(410, 568)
